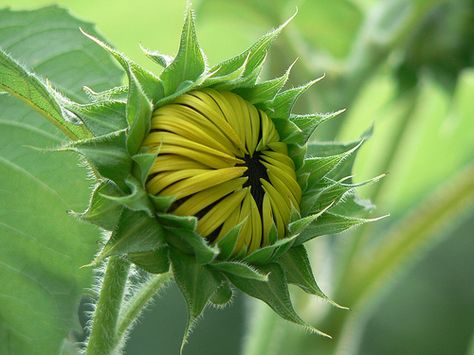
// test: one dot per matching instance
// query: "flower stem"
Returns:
(138, 302)
(104, 337)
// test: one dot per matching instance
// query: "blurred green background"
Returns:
(404, 66)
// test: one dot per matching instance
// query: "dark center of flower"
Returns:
(256, 171)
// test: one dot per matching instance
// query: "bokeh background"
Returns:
(405, 67)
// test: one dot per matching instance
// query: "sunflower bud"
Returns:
(208, 172)
(221, 158)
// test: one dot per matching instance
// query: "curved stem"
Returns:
(104, 337)
(138, 302)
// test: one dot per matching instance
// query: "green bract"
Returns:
(109, 132)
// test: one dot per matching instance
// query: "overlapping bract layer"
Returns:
(222, 159)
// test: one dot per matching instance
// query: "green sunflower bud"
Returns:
(207, 172)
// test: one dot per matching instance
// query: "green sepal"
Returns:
(239, 269)
(273, 292)
(331, 223)
(307, 124)
(282, 104)
(189, 64)
(215, 80)
(296, 227)
(154, 261)
(227, 243)
(269, 253)
(142, 165)
(18, 81)
(264, 91)
(298, 271)
(321, 165)
(136, 232)
(161, 203)
(168, 220)
(136, 200)
(181, 233)
(294, 214)
(152, 86)
(331, 193)
(102, 211)
(353, 205)
(288, 131)
(297, 153)
(163, 60)
(118, 93)
(101, 118)
(139, 109)
(344, 168)
(223, 295)
(246, 80)
(197, 284)
(253, 56)
(108, 155)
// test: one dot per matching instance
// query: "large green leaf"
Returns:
(42, 248)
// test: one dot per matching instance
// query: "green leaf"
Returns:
(197, 284)
(331, 193)
(102, 117)
(154, 261)
(118, 93)
(28, 87)
(329, 157)
(298, 271)
(308, 123)
(223, 295)
(264, 91)
(108, 155)
(139, 110)
(239, 269)
(227, 243)
(330, 223)
(183, 236)
(189, 63)
(149, 84)
(102, 211)
(41, 252)
(273, 292)
(282, 104)
(162, 60)
(269, 253)
(136, 232)
(143, 164)
(136, 200)
(161, 203)
(296, 227)
(253, 56)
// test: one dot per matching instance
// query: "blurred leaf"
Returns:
(329, 26)
(42, 247)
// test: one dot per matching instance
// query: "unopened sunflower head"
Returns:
(207, 171)
(223, 161)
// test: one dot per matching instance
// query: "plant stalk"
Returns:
(104, 338)
(132, 310)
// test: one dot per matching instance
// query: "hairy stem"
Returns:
(132, 310)
(104, 336)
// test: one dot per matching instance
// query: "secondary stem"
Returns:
(104, 336)
(138, 302)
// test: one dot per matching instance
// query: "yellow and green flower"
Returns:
(207, 172)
